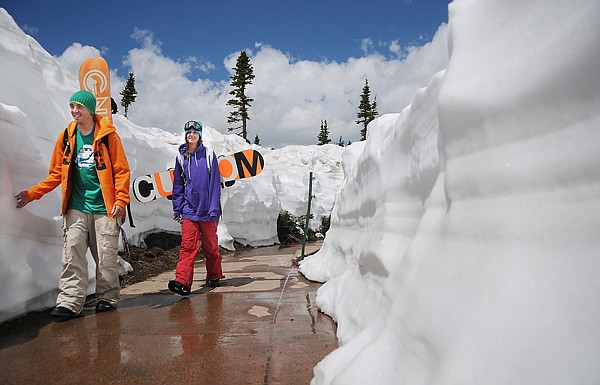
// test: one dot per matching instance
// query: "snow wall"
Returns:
(34, 94)
(464, 243)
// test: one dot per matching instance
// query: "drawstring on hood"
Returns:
(183, 150)
(195, 160)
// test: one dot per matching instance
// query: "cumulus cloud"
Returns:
(291, 97)
(75, 54)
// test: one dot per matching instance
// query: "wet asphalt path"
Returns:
(261, 327)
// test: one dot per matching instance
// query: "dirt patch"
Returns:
(161, 255)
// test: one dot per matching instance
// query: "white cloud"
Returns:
(291, 97)
(147, 39)
(395, 48)
(75, 54)
(30, 29)
(366, 45)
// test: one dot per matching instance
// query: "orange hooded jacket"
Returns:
(111, 165)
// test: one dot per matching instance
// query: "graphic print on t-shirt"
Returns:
(86, 195)
(85, 158)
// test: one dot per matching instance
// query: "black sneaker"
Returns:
(214, 282)
(63, 312)
(178, 287)
(104, 306)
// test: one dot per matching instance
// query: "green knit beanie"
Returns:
(86, 99)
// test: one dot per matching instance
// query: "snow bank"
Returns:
(490, 274)
(34, 94)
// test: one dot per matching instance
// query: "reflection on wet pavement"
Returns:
(260, 327)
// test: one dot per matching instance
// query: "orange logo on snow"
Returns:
(240, 165)
(243, 164)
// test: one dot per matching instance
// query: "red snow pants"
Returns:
(191, 234)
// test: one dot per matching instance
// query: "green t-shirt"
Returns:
(87, 194)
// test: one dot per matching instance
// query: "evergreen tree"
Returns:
(129, 93)
(257, 140)
(244, 73)
(323, 134)
(367, 111)
(374, 112)
(341, 142)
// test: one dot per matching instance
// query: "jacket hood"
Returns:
(183, 149)
(105, 127)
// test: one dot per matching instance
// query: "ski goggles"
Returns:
(193, 125)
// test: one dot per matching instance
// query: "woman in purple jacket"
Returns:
(197, 206)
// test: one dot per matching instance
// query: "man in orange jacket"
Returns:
(91, 165)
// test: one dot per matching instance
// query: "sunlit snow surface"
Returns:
(34, 94)
(464, 243)
(465, 246)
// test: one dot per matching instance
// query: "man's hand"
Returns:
(22, 199)
(117, 211)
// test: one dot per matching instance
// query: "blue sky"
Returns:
(318, 30)
(310, 58)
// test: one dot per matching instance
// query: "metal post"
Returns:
(305, 237)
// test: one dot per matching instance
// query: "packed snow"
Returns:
(464, 243)
(34, 95)
(463, 246)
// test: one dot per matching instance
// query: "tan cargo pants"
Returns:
(101, 235)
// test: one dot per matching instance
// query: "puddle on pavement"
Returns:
(259, 311)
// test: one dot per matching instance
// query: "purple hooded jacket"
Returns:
(196, 191)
